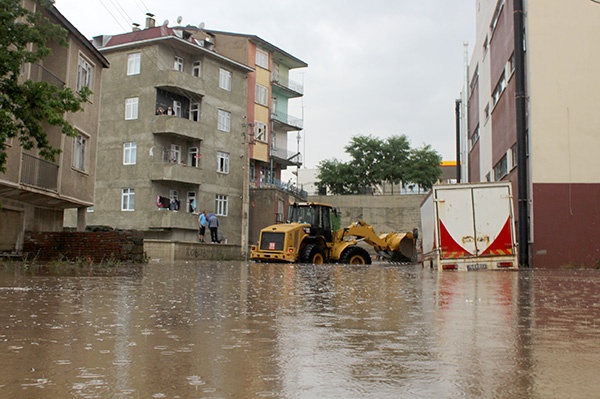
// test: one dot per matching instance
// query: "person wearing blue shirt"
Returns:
(202, 226)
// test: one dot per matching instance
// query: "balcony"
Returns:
(38, 73)
(173, 125)
(288, 187)
(180, 82)
(285, 157)
(39, 173)
(286, 122)
(165, 219)
(175, 172)
(294, 89)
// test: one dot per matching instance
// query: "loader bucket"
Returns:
(401, 247)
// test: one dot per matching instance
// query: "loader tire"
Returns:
(355, 256)
(312, 253)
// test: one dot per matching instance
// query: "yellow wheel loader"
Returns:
(312, 234)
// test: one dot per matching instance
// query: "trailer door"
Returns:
(456, 224)
(493, 220)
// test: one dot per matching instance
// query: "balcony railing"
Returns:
(38, 172)
(289, 187)
(292, 157)
(40, 74)
(287, 120)
(287, 83)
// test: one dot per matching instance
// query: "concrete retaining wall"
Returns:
(386, 213)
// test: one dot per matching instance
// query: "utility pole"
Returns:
(247, 141)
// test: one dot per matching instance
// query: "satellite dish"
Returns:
(179, 19)
(165, 22)
(202, 25)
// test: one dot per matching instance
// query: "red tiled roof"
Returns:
(140, 35)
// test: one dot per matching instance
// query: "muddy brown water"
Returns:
(238, 330)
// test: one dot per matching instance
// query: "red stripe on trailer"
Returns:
(450, 248)
(502, 245)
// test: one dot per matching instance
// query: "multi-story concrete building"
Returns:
(268, 123)
(561, 135)
(270, 90)
(34, 193)
(171, 128)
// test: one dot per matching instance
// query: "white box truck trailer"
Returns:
(469, 226)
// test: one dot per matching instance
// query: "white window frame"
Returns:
(178, 64)
(262, 59)
(224, 120)
(85, 73)
(197, 68)
(195, 112)
(130, 153)
(225, 79)
(175, 153)
(261, 94)
(260, 131)
(222, 162)
(127, 199)
(134, 63)
(79, 157)
(194, 157)
(177, 108)
(221, 205)
(131, 108)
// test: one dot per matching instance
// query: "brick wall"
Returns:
(120, 245)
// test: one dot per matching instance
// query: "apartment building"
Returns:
(171, 142)
(562, 135)
(34, 193)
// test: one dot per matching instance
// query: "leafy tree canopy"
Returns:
(375, 161)
(25, 40)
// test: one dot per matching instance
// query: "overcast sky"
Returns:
(378, 67)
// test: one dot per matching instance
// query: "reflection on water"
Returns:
(237, 330)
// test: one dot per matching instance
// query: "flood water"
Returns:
(238, 330)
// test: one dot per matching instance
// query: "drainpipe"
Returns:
(457, 116)
(521, 104)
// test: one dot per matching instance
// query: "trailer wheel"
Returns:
(312, 253)
(355, 256)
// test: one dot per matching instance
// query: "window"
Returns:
(513, 156)
(262, 95)
(194, 157)
(79, 146)
(131, 108)
(501, 168)
(84, 74)
(177, 107)
(194, 112)
(127, 199)
(178, 64)
(129, 153)
(175, 153)
(221, 206)
(260, 131)
(486, 112)
(224, 121)
(197, 69)
(225, 79)
(222, 162)
(499, 89)
(134, 63)
(475, 137)
(262, 59)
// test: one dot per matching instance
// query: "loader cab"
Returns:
(323, 218)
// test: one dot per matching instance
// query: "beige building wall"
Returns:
(563, 43)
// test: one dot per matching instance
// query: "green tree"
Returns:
(340, 178)
(424, 168)
(25, 105)
(376, 161)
